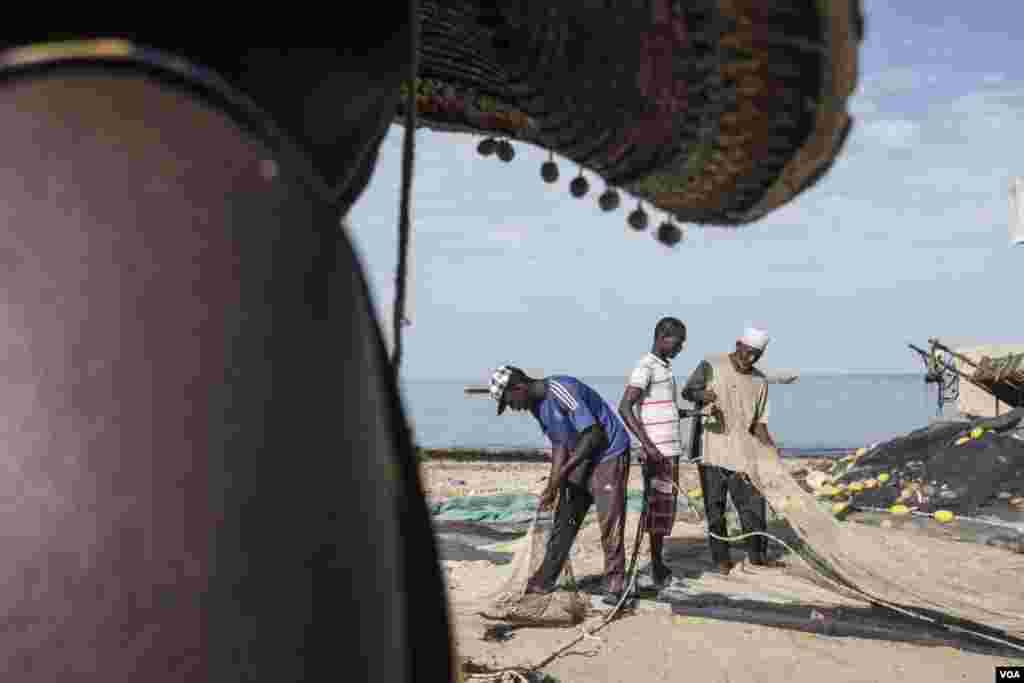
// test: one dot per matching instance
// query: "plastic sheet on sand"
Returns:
(505, 507)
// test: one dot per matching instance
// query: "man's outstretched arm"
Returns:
(760, 430)
(564, 460)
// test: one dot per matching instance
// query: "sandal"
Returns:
(661, 578)
(612, 600)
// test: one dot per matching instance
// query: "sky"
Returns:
(906, 238)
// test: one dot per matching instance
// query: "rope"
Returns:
(978, 520)
(404, 210)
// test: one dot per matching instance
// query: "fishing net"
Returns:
(933, 579)
(512, 603)
(926, 576)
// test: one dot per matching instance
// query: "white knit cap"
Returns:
(755, 338)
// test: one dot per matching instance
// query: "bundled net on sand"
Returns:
(511, 603)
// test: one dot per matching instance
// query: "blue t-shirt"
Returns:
(569, 407)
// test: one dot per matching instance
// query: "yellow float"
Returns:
(944, 515)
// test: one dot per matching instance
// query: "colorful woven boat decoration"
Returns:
(715, 112)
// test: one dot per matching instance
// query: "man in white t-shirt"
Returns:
(656, 432)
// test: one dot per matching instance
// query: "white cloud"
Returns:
(892, 133)
(969, 180)
(861, 106)
(999, 100)
(510, 237)
(810, 265)
(892, 81)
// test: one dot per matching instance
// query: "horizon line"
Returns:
(798, 373)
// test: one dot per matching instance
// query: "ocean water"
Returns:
(817, 413)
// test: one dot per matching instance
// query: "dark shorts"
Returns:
(606, 487)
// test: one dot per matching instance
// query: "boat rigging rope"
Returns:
(405, 209)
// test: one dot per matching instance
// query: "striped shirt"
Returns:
(659, 407)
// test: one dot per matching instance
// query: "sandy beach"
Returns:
(448, 478)
(659, 641)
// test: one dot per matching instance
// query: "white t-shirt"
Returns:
(659, 406)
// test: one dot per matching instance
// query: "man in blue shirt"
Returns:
(589, 465)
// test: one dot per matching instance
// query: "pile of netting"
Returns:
(512, 603)
(957, 466)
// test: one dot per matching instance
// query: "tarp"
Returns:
(510, 507)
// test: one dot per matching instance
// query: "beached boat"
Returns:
(975, 379)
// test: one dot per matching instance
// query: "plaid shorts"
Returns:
(662, 497)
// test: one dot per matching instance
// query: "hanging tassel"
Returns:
(549, 169)
(579, 186)
(505, 151)
(609, 200)
(487, 147)
(669, 234)
(638, 218)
